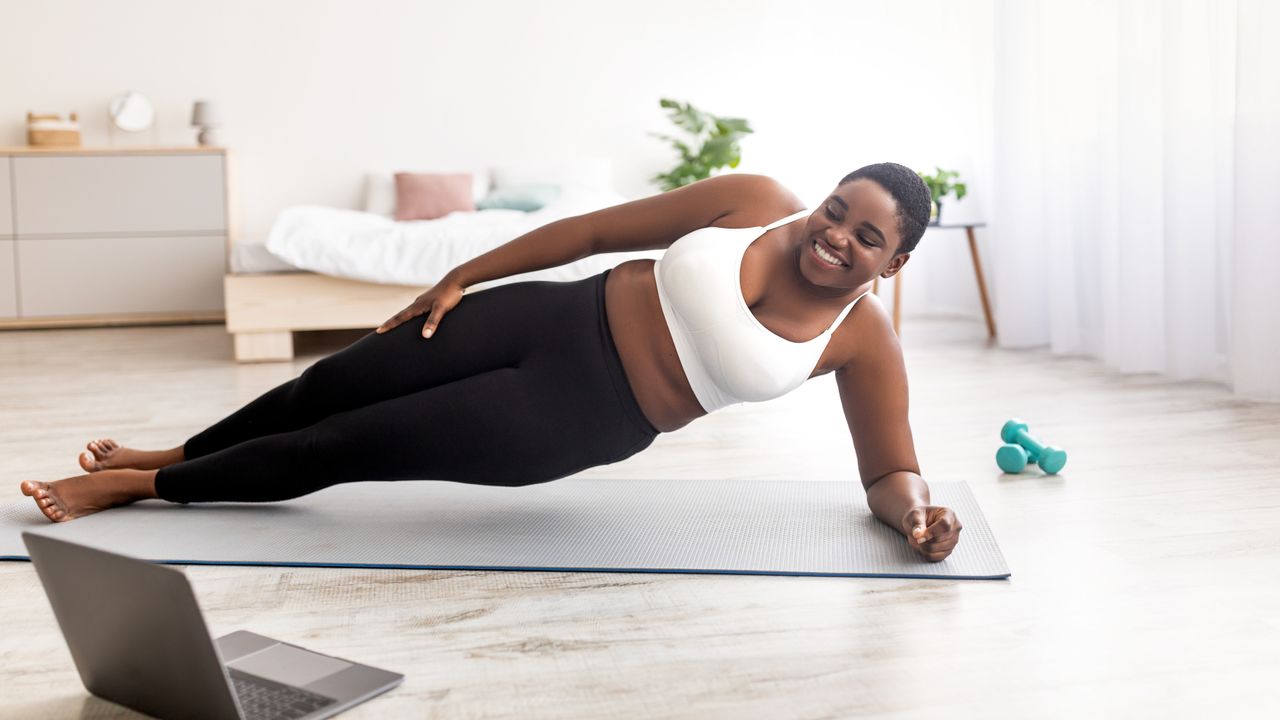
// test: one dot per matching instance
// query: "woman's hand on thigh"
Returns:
(434, 303)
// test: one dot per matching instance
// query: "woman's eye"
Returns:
(832, 215)
(863, 239)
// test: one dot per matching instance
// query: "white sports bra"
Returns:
(728, 355)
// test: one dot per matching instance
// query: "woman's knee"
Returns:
(333, 381)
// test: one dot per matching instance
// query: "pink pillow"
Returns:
(427, 196)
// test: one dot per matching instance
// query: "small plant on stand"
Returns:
(941, 184)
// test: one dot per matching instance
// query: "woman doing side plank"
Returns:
(533, 381)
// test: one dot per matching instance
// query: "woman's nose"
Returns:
(838, 240)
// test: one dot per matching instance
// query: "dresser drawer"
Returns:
(102, 276)
(8, 282)
(58, 195)
(6, 212)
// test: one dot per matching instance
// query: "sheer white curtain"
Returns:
(1134, 185)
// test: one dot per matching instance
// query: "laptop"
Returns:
(138, 638)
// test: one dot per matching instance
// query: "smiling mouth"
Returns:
(825, 256)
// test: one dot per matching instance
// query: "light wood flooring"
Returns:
(1146, 577)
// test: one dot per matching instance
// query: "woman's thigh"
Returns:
(510, 426)
(499, 327)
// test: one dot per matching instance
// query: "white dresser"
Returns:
(92, 236)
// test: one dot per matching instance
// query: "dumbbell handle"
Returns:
(1022, 438)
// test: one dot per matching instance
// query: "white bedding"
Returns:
(374, 248)
(249, 258)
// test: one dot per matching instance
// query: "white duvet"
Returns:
(375, 248)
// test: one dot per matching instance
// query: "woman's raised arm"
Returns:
(650, 223)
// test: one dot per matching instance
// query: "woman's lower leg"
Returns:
(107, 454)
(74, 497)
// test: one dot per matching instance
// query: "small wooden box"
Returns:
(66, 136)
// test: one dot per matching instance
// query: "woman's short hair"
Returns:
(910, 193)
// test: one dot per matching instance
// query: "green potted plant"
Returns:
(940, 185)
(716, 139)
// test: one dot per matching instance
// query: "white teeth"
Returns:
(826, 255)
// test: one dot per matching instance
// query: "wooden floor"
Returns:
(1146, 578)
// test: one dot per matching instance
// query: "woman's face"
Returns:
(857, 225)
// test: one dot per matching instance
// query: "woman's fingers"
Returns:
(943, 525)
(937, 549)
(390, 322)
(432, 321)
(936, 552)
(932, 530)
(438, 308)
(935, 535)
(400, 317)
(940, 545)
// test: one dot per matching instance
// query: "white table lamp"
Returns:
(207, 116)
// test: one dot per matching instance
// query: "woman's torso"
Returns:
(644, 341)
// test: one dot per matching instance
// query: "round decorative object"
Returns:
(132, 112)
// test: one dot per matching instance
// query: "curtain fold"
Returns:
(1125, 224)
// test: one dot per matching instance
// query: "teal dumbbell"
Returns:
(1021, 448)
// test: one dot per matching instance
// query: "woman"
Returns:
(533, 381)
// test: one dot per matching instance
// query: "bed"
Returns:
(326, 268)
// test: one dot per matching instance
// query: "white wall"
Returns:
(315, 93)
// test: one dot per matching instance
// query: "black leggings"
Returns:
(520, 384)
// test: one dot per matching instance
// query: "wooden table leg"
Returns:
(982, 285)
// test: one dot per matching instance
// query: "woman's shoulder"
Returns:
(757, 200)
(865, 336)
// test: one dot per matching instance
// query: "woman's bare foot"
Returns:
(82, 495)
(107, 454)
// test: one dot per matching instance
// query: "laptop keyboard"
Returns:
(262, 699)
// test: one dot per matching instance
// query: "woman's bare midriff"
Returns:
(645, 347)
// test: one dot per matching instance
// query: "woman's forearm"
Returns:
(553, 244)
(893, 495)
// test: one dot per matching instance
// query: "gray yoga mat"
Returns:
(574, 524)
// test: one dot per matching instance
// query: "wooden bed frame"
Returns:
(264, 310)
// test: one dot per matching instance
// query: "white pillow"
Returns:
(585, 173)
(380, 188)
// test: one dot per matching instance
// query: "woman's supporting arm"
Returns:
(873, 392)
(874, 395)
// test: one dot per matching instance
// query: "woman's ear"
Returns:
(895, 265)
